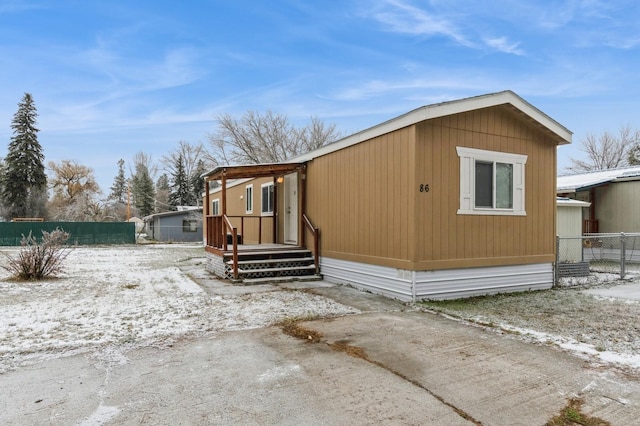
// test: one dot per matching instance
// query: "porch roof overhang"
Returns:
(253, 171)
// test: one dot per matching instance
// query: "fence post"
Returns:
(555, 267)
(623, 243)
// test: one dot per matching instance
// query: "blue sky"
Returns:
(112, 78)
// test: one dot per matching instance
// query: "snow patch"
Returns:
(126, 297)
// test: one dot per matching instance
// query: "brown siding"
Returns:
(366, 198)
(446, 239)
(359, 198)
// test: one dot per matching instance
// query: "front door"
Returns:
(291, 219)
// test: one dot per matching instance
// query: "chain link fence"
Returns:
(607, 253)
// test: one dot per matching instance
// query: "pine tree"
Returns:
(143, 190)
(180, 194)
(197, 182)
(162, 194)
(24, 182)
(119, 187)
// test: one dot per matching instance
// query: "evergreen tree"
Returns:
(180, 194)
(143, 190)
(197, 182)
(24, 182)
(162, 194)
(119, 187)
(162, 184)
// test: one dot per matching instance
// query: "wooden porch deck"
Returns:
(254, 248)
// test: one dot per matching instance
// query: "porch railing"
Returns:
(259, 227)
(217, 228)
(315, 232)
(234, 240)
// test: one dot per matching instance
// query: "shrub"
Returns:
(38, 260)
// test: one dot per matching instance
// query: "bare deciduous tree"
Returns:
(607, 151)
(266, 138)
(71, 179)
(74, 189)
(190, 153)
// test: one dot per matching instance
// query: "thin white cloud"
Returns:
(502, 44)
(401, 17)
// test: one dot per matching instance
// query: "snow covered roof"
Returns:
(584, 181)
(568, 202)
(183, 211)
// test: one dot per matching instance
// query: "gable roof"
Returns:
(585, 181)
(443, 109)
(428, 112)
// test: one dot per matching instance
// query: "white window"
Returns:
(215, 207)
(248, 199)
(266, 190)
(491, 183)
(189, 225)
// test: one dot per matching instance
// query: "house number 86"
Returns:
(424, 187)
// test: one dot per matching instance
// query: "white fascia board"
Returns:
(440, 110)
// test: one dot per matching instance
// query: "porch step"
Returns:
(277, 260)
(285, 279)
(277, 270)
(271, 265)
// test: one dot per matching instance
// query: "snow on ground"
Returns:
(130, 296)
(602, 329)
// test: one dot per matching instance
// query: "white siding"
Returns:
(390, 282)
(453, 284)
(569, 219)
(444, 284)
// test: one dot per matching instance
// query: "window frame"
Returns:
(215, 207)
(468, 159)
(189, 225)
(270, 199)
(248, 199)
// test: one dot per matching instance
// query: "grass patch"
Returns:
(572, 415)
(292, 327)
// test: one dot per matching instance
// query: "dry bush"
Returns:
(38, 260)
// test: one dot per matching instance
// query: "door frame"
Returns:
(291, 210)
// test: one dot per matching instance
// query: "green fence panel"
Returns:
(83, 233)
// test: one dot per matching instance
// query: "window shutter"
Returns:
(466, 183)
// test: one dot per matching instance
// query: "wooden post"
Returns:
(303, 205)
(275, 209)
(207, 209)
(224, 209)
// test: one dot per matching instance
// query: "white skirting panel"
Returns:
(390, 282)
(456, 283)
(443, 284)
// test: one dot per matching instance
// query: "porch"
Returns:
(254, 248)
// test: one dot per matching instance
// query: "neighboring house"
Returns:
(449, 200)
(614, 196)
(177, 226)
